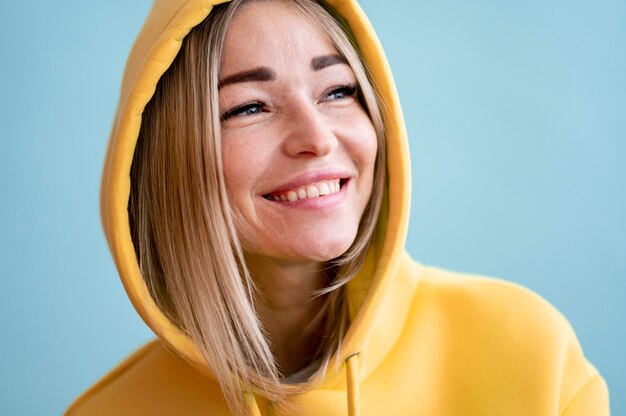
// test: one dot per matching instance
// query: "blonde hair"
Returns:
(183, 228)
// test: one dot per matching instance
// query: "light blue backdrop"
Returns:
(517, 118)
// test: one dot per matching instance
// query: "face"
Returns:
(298, 148)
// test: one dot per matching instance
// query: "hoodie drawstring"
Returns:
(352, 392)
(352, 376)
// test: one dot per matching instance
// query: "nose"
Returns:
(307, 131)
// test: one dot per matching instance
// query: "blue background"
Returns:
(517, 117)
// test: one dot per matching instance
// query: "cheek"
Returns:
(245, 160)
(239, 177)
(363, 144)
(363, 152)
(239, 167)
(231, 164)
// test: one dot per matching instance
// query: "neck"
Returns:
(287, 307)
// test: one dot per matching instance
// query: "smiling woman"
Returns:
(292, 115)
(261, 237)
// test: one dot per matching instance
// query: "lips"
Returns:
(311, 190)
(310, 185)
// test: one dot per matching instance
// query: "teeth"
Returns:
(313, 190)
(323, 188)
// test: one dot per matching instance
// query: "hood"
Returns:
(370, 335)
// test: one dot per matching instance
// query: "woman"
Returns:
(255, 198)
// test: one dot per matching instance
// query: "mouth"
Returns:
(309, 191)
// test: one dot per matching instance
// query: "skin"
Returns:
(298, 116)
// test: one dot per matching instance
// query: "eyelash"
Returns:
(240, 109)
(347, 90)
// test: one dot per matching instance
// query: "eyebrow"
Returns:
(321, 62)
(266, 74)
(256, 74)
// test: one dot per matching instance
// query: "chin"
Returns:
(329, 250)
(320, 246)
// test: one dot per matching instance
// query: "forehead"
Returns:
(264, 33)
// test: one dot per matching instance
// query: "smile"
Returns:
(312, 190)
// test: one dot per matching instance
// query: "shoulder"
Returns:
(150, 381)
(503, 304)
(483, 306)
(482, 303)
(505, 332)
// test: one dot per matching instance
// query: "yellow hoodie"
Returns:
(422, 341)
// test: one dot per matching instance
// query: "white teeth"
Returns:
(323, 188)
(313, 190)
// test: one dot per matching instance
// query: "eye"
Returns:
(338, 93)
(243, 110)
